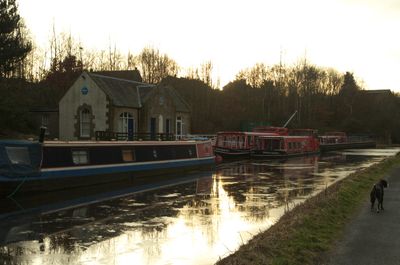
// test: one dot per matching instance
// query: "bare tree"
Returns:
(155, 66)
(206, 73)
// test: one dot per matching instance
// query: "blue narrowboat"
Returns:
(31, 167)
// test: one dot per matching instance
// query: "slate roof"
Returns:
(133, 94)
(180, 104)
(123, 93)
(132, 75)
(377, 91)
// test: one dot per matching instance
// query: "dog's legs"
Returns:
(372, 197)
(380, 204)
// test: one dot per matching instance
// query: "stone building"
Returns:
(118, 102)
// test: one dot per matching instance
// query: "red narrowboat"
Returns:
(299, 142)
(237, 144)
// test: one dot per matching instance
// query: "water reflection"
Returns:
(192, 219)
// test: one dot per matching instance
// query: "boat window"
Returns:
(80, 157)
(240, 142)
(219, 141)
(249, 141)
(275, 144)
(18, 155)
(128, 155)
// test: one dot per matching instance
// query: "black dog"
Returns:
(377, 194)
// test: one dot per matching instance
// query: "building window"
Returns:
(80, 157)
(126, 124)
(85, 122)
(179, 127)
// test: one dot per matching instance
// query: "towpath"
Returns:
(372, 238)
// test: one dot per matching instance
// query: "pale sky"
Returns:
(360, 36)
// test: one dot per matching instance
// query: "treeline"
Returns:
(323, 98)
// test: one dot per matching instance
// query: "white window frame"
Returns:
(85, 122)
(123, 122)
(179, 127)
(80, 157)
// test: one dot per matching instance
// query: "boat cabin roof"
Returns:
(335, 134)
(329, 136)
(302, 132)
(117, 143)
(246, 133)
(272, 129)
(283, 137)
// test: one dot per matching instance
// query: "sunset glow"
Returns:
(348, 35)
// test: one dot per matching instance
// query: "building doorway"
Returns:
(126, 125)
(179, 127)
(153, 128)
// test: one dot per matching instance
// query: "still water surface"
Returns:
(193, 219)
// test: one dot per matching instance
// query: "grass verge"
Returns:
(303, 235)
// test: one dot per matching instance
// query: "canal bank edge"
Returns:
(308, 232)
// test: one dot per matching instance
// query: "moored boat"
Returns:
(299, 142)
(331, 141)
(236, 144)
(29, 167)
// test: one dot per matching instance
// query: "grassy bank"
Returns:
(303, 235)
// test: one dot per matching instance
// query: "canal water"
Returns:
(194, 219)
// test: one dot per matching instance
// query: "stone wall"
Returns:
(84, 92)
(160, 106)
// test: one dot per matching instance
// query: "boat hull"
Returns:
(277, 155)
(348, 145)
(66, 165)
(232, 153)
(69, 178)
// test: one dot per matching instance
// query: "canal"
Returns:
(194, 219)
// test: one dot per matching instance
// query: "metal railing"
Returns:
(118, 136)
